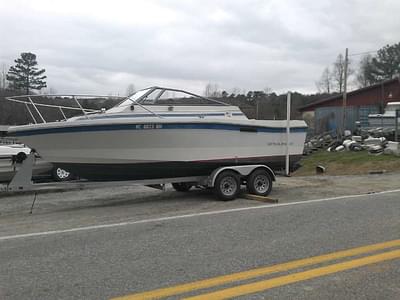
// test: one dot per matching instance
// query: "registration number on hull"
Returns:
(149, 126)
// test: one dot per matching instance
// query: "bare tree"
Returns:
(235, 91)
(267, 90)
(130, 89)
(324, 84)
(52, 91)
(212, 90)
(338, 72)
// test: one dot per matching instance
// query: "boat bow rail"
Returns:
(38, 106)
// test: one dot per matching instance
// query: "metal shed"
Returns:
(328, 112)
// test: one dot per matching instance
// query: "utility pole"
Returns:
(257, 109)
(3, 77)
(396, 133)
(346, 62)
(288, 102)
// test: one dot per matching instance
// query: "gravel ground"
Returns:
(60, 210)
(285, 189)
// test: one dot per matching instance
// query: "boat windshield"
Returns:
(164, 96)
(134, 98)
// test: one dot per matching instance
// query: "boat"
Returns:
(387, 119)
(158, 133)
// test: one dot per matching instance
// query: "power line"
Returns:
(361, 53)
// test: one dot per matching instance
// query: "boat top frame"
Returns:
(32, 105)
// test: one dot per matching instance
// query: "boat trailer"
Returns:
(225, 181)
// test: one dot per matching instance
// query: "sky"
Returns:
(100, 47)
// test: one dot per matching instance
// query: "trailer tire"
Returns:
(20, 157)
(259, 183)
(182, 186)
(227, 185)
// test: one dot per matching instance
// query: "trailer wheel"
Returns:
(259, 183)
(20, 157)
(227, 185)
(182, 186)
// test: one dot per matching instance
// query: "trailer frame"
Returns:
(22, 180)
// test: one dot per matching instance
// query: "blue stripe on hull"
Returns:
(157, 126)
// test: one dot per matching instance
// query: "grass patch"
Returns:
(347, 163)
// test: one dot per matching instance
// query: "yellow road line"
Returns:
(211, 282)
(296, 277)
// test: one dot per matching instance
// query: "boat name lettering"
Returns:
(149, 126)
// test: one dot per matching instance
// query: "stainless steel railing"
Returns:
(33, 106)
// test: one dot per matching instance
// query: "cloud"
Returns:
(102, 46)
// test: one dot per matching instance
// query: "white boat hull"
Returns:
(142, 150)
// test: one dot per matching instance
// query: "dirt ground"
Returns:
(320, 186)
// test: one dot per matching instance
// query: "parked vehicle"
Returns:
(388, 119)
(11, 155)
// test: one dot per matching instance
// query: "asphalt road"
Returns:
(133, 256)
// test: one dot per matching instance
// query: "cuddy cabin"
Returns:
(168, 103)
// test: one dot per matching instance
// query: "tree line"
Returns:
(261, 104)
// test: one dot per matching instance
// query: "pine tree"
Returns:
(364, 74)
(386, 64)
(25, 75)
